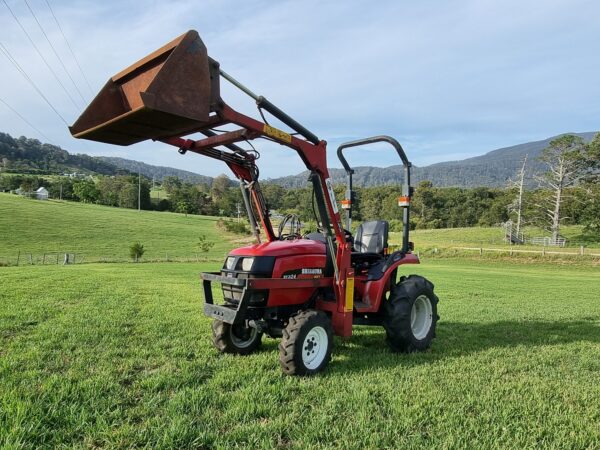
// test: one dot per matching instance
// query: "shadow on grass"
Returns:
(367, 347)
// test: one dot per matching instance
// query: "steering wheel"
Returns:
(293, 221)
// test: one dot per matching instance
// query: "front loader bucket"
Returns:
(169, 92)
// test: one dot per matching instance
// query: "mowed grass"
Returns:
(101, 232)
(119, 356)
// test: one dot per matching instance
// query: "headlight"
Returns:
(229, 263)
(247, 264)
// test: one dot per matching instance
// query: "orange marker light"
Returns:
(404, 201)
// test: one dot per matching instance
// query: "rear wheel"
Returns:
(238, 338)
(305, 348)
(410, 315)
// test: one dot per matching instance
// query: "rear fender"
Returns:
(375, 289)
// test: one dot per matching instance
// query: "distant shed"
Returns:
(41, 193)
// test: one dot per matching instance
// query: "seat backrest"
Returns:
(371, 237)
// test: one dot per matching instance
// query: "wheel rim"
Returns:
(421, 317)
(241, 336)
(314, 347)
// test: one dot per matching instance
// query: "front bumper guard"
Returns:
(234, 315)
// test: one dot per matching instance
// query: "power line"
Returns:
(41, 55)
(28, 78)
(24, 119)
(69, 47)
(54, 50)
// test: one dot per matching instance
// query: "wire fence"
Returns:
(69, 258)
(543, 252)
(448, 250)
(581, 253)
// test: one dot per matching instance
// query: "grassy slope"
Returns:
(103, 232)
(490, 238)
(99, 231)
(119, 355)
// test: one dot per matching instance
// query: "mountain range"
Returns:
(157, 172)
(493, 169)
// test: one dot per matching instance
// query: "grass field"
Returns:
(118, 355)
(97, 232)
(158, 194)
(452, 241)
(100, 233)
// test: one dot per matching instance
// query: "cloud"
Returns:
(448, 79)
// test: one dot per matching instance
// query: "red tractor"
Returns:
(302, 288)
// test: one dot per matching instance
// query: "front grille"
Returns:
(262, 268)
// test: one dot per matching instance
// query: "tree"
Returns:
(171, 183)
(219, 187)
(591, 211)
(85, 191)
(182, 207)
(517, 206)
(204, 245)
(593, 158)
(566, 160)
(136, 251)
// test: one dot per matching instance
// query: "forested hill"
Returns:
(31, 156)
(157, 172)
(492, 169)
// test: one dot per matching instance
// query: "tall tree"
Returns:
(517, 206)
(566, 161)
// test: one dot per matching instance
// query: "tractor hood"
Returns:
(281, 248)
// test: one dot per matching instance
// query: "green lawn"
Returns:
(119, 356)
(101, 232)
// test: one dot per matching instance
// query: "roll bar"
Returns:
(406, 189)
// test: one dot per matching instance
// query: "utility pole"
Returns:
(239, 210)
(139, 190)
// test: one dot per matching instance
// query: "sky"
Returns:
(448, 79)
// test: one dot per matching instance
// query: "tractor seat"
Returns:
(370, 242)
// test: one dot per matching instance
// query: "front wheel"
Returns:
(237, 338)
(305, 348)
(410, 315)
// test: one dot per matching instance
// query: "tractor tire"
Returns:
(305, 348)
(237, 339)
(410, 315)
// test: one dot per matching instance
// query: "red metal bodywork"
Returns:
(306, 253)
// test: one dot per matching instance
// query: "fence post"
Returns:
(544, 250)
(581, 250)
(44, 259)
(30, 259)
(57, 259)
(18, 257)
(480, 251)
